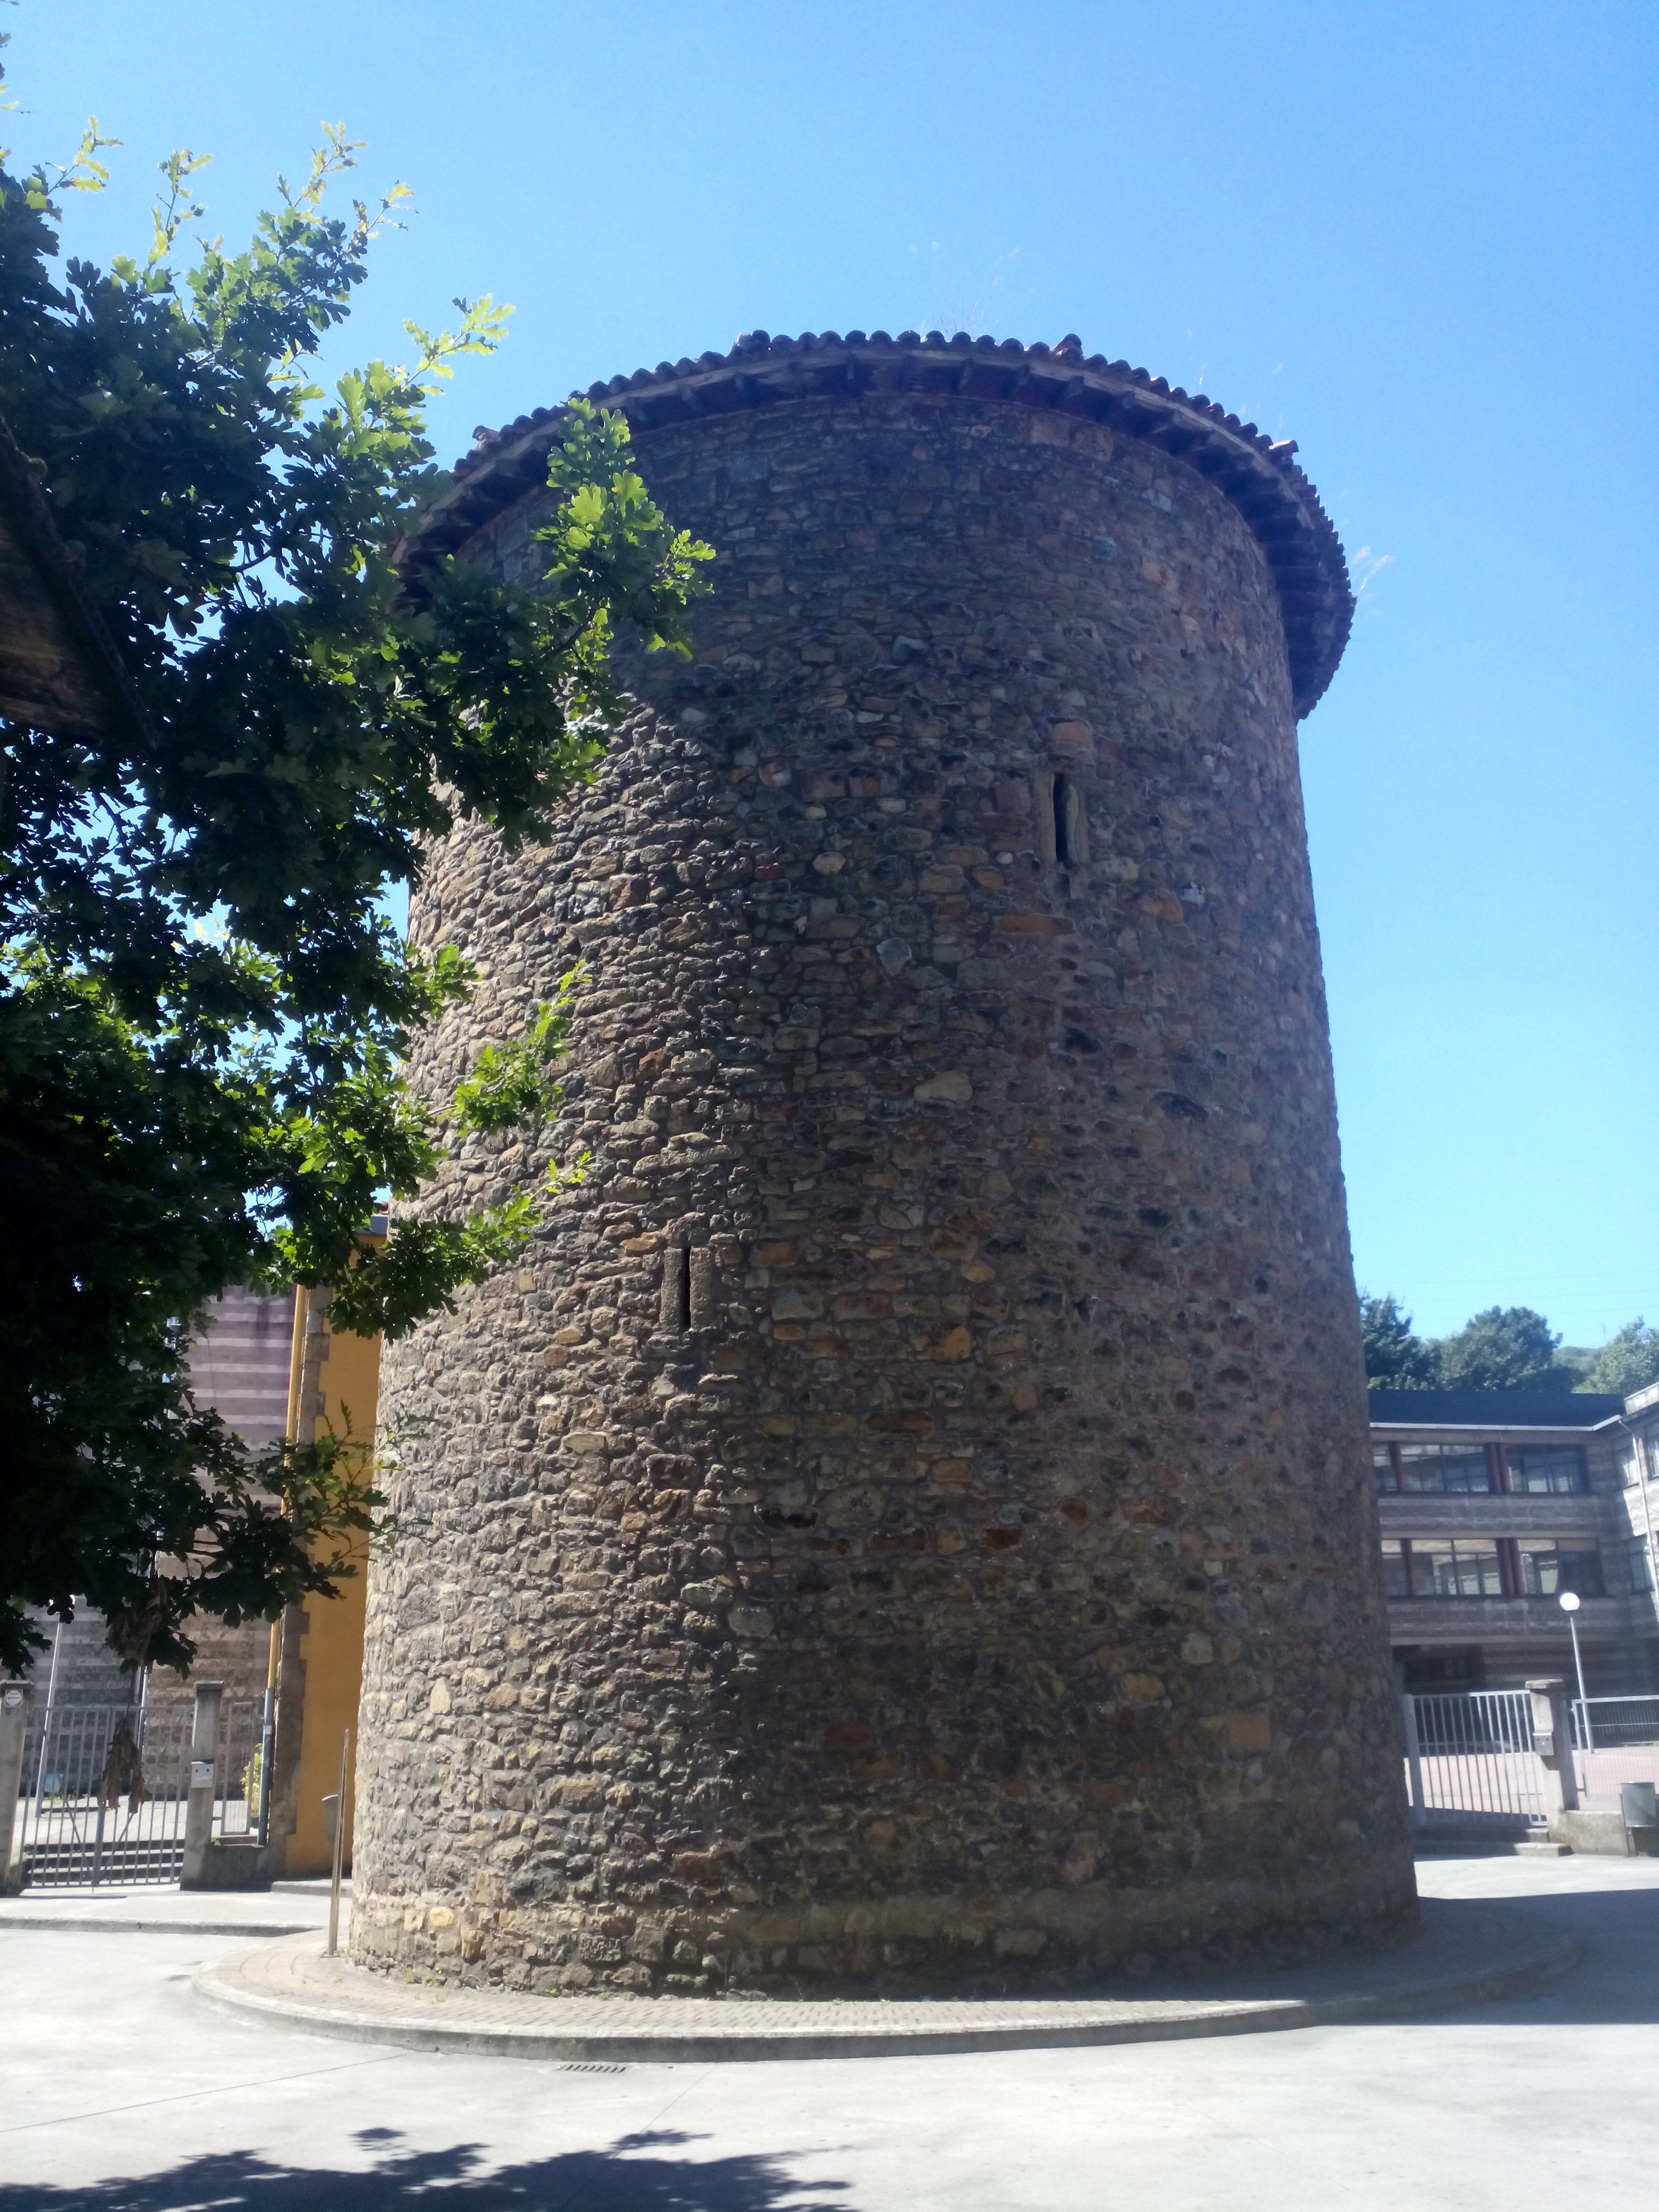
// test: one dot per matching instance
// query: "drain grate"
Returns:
(588, 2066)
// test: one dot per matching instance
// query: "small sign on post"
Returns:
(339, 1840)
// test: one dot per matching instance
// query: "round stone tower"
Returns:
(908, 1522)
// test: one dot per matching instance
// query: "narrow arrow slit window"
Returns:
(677, 1288)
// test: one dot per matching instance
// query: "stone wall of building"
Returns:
(909, 1517)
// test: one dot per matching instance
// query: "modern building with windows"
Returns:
(1491, 1505)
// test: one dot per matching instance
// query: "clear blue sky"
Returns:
(1419, 237)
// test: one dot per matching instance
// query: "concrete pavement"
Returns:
(1467, 1949)
(143, 1908)
(122, 2093)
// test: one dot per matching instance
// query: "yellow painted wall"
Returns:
(332, 1645)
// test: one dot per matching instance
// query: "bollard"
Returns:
(16, 1698)
(199, 1803)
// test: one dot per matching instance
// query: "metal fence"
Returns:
(1470, 1763)
(1605, 1723)
(1615, 1739)
(104, 1790)
(1469, 1757)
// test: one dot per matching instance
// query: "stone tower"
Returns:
(908, 1521)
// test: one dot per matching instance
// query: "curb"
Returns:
(859, 2032)
(85, 1924)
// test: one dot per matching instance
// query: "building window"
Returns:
(1062, 821)
(1385, 1469)
(1554, 1470)
(676, 1307)
(1638, 1566)
(1455, 1566)
(1499, 1566)
(1629, 1465)
(1549, 1566)
(1445, 1470)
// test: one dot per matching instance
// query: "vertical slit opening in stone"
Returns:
(702, 1294)
(1043, 793)
(1071, 825)
(677, 1288)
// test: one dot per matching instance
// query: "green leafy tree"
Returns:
(1395, 1358)
(1627, 1362)
(1504, 1348)
(203, 1009)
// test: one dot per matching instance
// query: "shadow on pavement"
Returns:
(1618, 1985)
(636, 2174)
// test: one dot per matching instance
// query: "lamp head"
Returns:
(1568, 1600)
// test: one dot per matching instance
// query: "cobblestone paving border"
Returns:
(1468, 1954)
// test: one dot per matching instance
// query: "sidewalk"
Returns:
(1466, 1953)
(288, 1908)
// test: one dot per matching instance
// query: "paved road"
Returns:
(118, 2092)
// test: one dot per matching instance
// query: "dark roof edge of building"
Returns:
(1495, 1409)
(1258, 474)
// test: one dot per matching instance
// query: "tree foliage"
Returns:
(1395, 1358)
(1504, 1348)
(1627, 1362)
(203, 1010)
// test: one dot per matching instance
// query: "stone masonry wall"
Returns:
(909, 1518)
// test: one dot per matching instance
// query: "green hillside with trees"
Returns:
(1502, 1348)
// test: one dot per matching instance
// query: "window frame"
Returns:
(1505, 1556)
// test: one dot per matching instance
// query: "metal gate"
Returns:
(1470, 1763)
(104, 1788)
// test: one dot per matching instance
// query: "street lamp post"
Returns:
(1568, 1602)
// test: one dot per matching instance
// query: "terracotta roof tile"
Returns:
(1258, 474)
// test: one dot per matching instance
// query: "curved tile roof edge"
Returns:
(1259, 476)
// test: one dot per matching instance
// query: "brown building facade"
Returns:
(1491, 1503)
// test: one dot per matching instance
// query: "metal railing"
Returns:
(1469, 1757)
(104, 1791)
(1615, 1739)
(1611, 1723)
(1457, 1723)
(1470, 1760)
